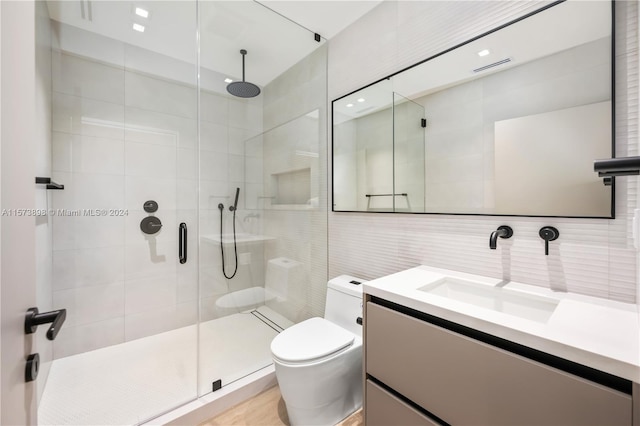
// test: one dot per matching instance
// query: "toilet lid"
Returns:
(311, 339)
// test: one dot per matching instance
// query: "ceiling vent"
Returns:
(495, 64)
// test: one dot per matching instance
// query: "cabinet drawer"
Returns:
(384, 409)
(464, 381)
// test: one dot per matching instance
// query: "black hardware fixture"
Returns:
(182, 243)
(626, 166)
(503, 231)
(243, 89)
(34, 318)
(317, 37)
(423, 122)
(216, 385)
(404, 194)
(150, 225)
(33, 367)
(359, 320)
(50, 184)
(548, 233)
(233, 209)
(150, 206)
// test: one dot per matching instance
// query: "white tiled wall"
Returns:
(594, 257)
(226, 122)
(120, 138)
(295, 120)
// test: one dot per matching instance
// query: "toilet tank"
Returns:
(344, 302)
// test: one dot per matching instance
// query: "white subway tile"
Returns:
(87, 337)
(91, 304)
(159, 95)
(142, 159)
(140, 189)
(86, 78)
(150, 293)
(82, 116)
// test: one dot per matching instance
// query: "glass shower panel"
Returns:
(408, 155)
(268, 148)
(124, 144)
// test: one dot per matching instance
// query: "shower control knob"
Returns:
(150, 225)
(150, 206)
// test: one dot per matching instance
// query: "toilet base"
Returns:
(322, 393)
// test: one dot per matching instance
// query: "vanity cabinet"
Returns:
(419, 372)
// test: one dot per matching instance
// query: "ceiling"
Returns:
(274, 41)
(325, 17)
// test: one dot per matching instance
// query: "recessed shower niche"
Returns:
(291, 187)
(290, 163)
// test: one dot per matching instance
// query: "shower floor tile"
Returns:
(130, 383)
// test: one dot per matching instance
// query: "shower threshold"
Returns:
(135, 381)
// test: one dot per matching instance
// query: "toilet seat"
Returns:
(310, 340)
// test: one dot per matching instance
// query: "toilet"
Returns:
(318, 362)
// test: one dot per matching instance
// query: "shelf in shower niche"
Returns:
(240, 238)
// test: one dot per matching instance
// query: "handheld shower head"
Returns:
(234, 207)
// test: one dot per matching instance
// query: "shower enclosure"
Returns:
(147, 141)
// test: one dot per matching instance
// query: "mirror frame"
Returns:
(498, 28)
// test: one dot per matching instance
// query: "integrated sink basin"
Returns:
(524, 305)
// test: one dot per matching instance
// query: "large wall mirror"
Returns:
(507, 124)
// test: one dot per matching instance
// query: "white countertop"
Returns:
(599, 333)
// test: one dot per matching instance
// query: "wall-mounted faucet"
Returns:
(548, 233)
(503, 231)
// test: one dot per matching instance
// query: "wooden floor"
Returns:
(265, 409)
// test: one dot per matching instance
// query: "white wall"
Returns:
(18, 267)
(591, 256)
(44, 224)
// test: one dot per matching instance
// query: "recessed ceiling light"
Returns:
(349, 105)
(361, 100)
(228, 80)
(141, 12)
(484, 52)
(138, 27)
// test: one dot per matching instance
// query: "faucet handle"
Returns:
(548, 233)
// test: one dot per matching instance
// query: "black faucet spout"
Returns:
(493, 239)
(503, 231)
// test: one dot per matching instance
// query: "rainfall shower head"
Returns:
(243, 89)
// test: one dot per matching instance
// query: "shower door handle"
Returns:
(182, 243)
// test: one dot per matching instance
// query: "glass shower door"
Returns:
(263, 147)
(408, 155)
(124, 143)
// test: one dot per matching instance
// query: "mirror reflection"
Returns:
(513, 124)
